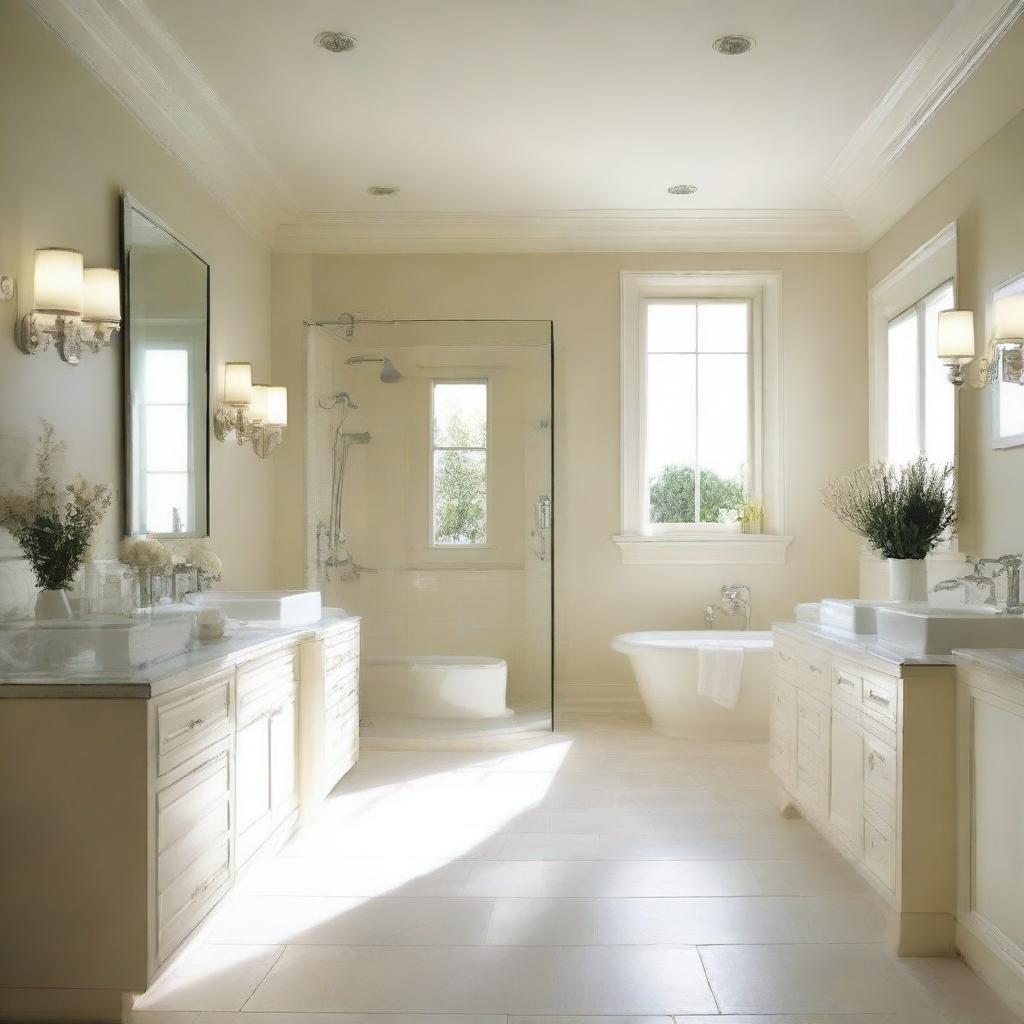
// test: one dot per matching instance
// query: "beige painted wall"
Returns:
(985, 197)
(825, 408)
(70, 148)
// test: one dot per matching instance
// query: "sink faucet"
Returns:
(978, 578)
(1010, 568)
(736, 600)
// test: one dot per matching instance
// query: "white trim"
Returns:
(573, 231)
(920, 273)
(705, 549)
(965, 37)
(125, 45)
(764, 291)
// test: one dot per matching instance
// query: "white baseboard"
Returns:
(618, 700)
(1004, 976)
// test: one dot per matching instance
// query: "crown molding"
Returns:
(572, 231)
(128, 49)
(966, 36)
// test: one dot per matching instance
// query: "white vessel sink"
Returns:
(92, 644)
(275, 607)
(851, 616)
(927, 629)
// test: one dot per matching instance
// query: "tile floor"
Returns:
(608, 872)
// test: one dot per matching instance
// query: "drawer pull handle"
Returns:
(814, 668)
(194, 723)
(875, 758)
(784, 656)
(200, 889)
(878, 698)
(843, 681)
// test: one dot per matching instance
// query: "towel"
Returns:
(718, 675)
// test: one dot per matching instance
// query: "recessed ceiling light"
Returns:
(682, 190)
(336, 42)
(383, 190)
(732, 46)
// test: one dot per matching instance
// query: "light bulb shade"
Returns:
(258, 407)
(956, 334)
(238, 383)
(277, 406)
(101, 301)
(1010, 318)
(59, 281)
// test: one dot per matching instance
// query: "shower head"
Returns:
(388, 373)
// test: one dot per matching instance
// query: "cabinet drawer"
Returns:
(182, 906)
(879, 768)
(812, 785)
(847, 684)
(812, 726)
(880, 853)
(806, 666)
(183, 804)
(342, 683)
(782, 756)
(261, 674)
(879, 697)
(189, 724)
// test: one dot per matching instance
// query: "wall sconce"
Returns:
(6, 288)
(72, 306)
(252, 412)
(955, 342)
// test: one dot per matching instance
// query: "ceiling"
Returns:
(544, 123)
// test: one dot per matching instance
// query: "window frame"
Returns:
(701, 543)
(751, 481)
(433, 448)
(918, 311)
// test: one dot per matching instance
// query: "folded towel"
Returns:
(719, 673)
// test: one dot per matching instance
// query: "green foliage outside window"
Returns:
(673, 496)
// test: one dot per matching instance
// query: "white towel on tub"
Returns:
(719, 673)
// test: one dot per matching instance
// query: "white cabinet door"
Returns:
(252, 786)
(284, 776)
(846, 804)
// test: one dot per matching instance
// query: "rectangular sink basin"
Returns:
(851, 616)
(94, 644)
(271, 607)
(927, 629)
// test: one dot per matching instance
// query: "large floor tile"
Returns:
(487, 979)
(211, 978)
(750, 920)
(812, 979)
(714, 847)
(292, 1017)
(326, 920)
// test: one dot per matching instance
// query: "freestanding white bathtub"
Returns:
(665, 666)
(434, 686)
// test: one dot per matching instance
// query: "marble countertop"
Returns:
(202, 658)
(863, 648)
(1002, 659)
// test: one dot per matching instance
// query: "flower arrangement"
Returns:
(202, 559)
(902, 511)
(146, 553)
(54, 525)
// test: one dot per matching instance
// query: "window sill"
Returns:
(704, 549)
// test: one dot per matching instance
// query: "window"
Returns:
(698, 437)
(701, 417)
(920, 417)
(459, 462)
(165, 429)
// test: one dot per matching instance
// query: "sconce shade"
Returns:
(101, 301)
(277, 406)
(59, 280)
(1010, 319)
(238, 383)
(956, 334)
(258, 405)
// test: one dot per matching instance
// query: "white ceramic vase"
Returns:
(52, 604)
(908, 579)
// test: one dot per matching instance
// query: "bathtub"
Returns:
(665, 666)
(434, 686)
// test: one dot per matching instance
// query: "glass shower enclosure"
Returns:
(429, 514)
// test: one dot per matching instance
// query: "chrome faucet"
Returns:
(736, 600)
(1010, 568)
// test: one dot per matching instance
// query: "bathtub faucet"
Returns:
(735, 601)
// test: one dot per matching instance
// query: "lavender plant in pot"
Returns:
(53, 525)
(903, 512)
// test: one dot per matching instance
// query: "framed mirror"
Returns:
(166, 366)
(1008, 396)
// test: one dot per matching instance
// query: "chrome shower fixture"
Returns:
(342, 398)
(388, 373)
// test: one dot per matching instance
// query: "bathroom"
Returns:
(381, 225)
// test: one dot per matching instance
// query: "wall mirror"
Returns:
(1008, 397)
(167, 348)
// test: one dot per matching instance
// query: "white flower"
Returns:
(205, 559)
(146, 553)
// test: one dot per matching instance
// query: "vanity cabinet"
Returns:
(864, 749)
(129, 808)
